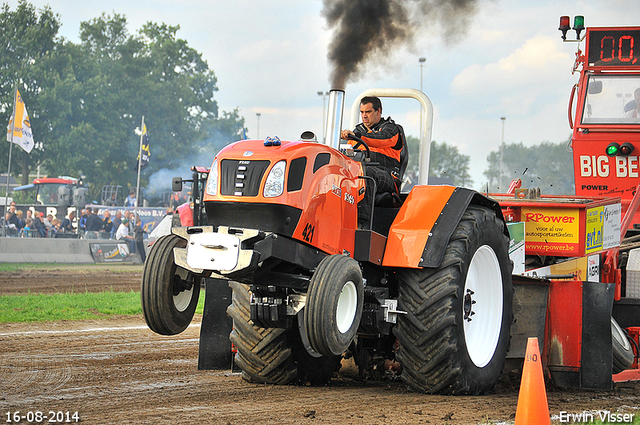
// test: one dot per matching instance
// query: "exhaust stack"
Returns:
(334, 118)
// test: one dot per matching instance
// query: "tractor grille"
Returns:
(241, 177)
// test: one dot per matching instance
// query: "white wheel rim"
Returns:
(482, 305)
(618, 335)
(347, 306)
(183, 299)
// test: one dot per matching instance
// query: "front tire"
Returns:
(169, 293)
(334, 305)
(455, 335)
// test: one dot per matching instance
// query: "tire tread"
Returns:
(273, 355)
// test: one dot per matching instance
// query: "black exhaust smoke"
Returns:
(368, 29)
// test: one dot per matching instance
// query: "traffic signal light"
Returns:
(614, 149)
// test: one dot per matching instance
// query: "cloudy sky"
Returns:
(270, 57)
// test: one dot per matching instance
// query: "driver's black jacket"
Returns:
(385, 141)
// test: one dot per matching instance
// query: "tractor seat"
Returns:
(404, 155)
(384, 200)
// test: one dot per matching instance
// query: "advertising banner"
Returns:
(552, 231)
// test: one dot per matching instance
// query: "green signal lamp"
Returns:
(578, 25)
(612, 149)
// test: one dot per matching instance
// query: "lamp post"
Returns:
(623, 97)
(258, 130)
(324, 95)
(503, 119)
(421, 61)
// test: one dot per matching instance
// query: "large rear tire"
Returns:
(334, 305)
(273, 355)
(455, 335)
(169, 293)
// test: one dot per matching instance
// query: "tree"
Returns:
(548, 166)
(228, 128)
(27, 43)
(86, 99)
(445, 162)
(154, 74)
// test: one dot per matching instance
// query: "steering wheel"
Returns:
(360, 142)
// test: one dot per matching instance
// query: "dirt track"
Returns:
(118, 371)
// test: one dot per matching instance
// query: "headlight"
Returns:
(274, 185)
(212, 182)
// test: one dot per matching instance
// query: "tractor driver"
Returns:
(385, 139)
(635, 112)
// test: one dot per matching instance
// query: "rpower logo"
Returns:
(539, 217)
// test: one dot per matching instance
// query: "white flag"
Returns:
(21, 134)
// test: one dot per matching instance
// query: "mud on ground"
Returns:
(71, 278)
(116, 371)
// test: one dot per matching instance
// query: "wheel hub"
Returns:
(180, 284)
(182, 289)
(468, 305)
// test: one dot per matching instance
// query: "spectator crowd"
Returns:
(89, 225)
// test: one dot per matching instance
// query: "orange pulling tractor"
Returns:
(445, 284)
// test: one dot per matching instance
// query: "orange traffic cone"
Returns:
(533, 408)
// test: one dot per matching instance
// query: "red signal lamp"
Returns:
(564, 26)
(626, 149)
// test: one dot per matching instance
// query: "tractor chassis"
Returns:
(278, 270)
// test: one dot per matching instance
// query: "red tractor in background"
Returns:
(191, 213)
(428, 287)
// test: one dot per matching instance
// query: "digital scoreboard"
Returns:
(613, 47)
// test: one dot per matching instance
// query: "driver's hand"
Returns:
(344, 134)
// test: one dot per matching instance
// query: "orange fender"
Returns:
(427, 219)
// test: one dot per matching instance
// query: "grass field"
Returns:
(83, 306)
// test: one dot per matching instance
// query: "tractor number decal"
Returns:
(307, 233)
(349, 198)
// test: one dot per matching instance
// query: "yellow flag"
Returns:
(19, 129)
(146, 152)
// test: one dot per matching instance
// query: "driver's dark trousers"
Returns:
(385, 182)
